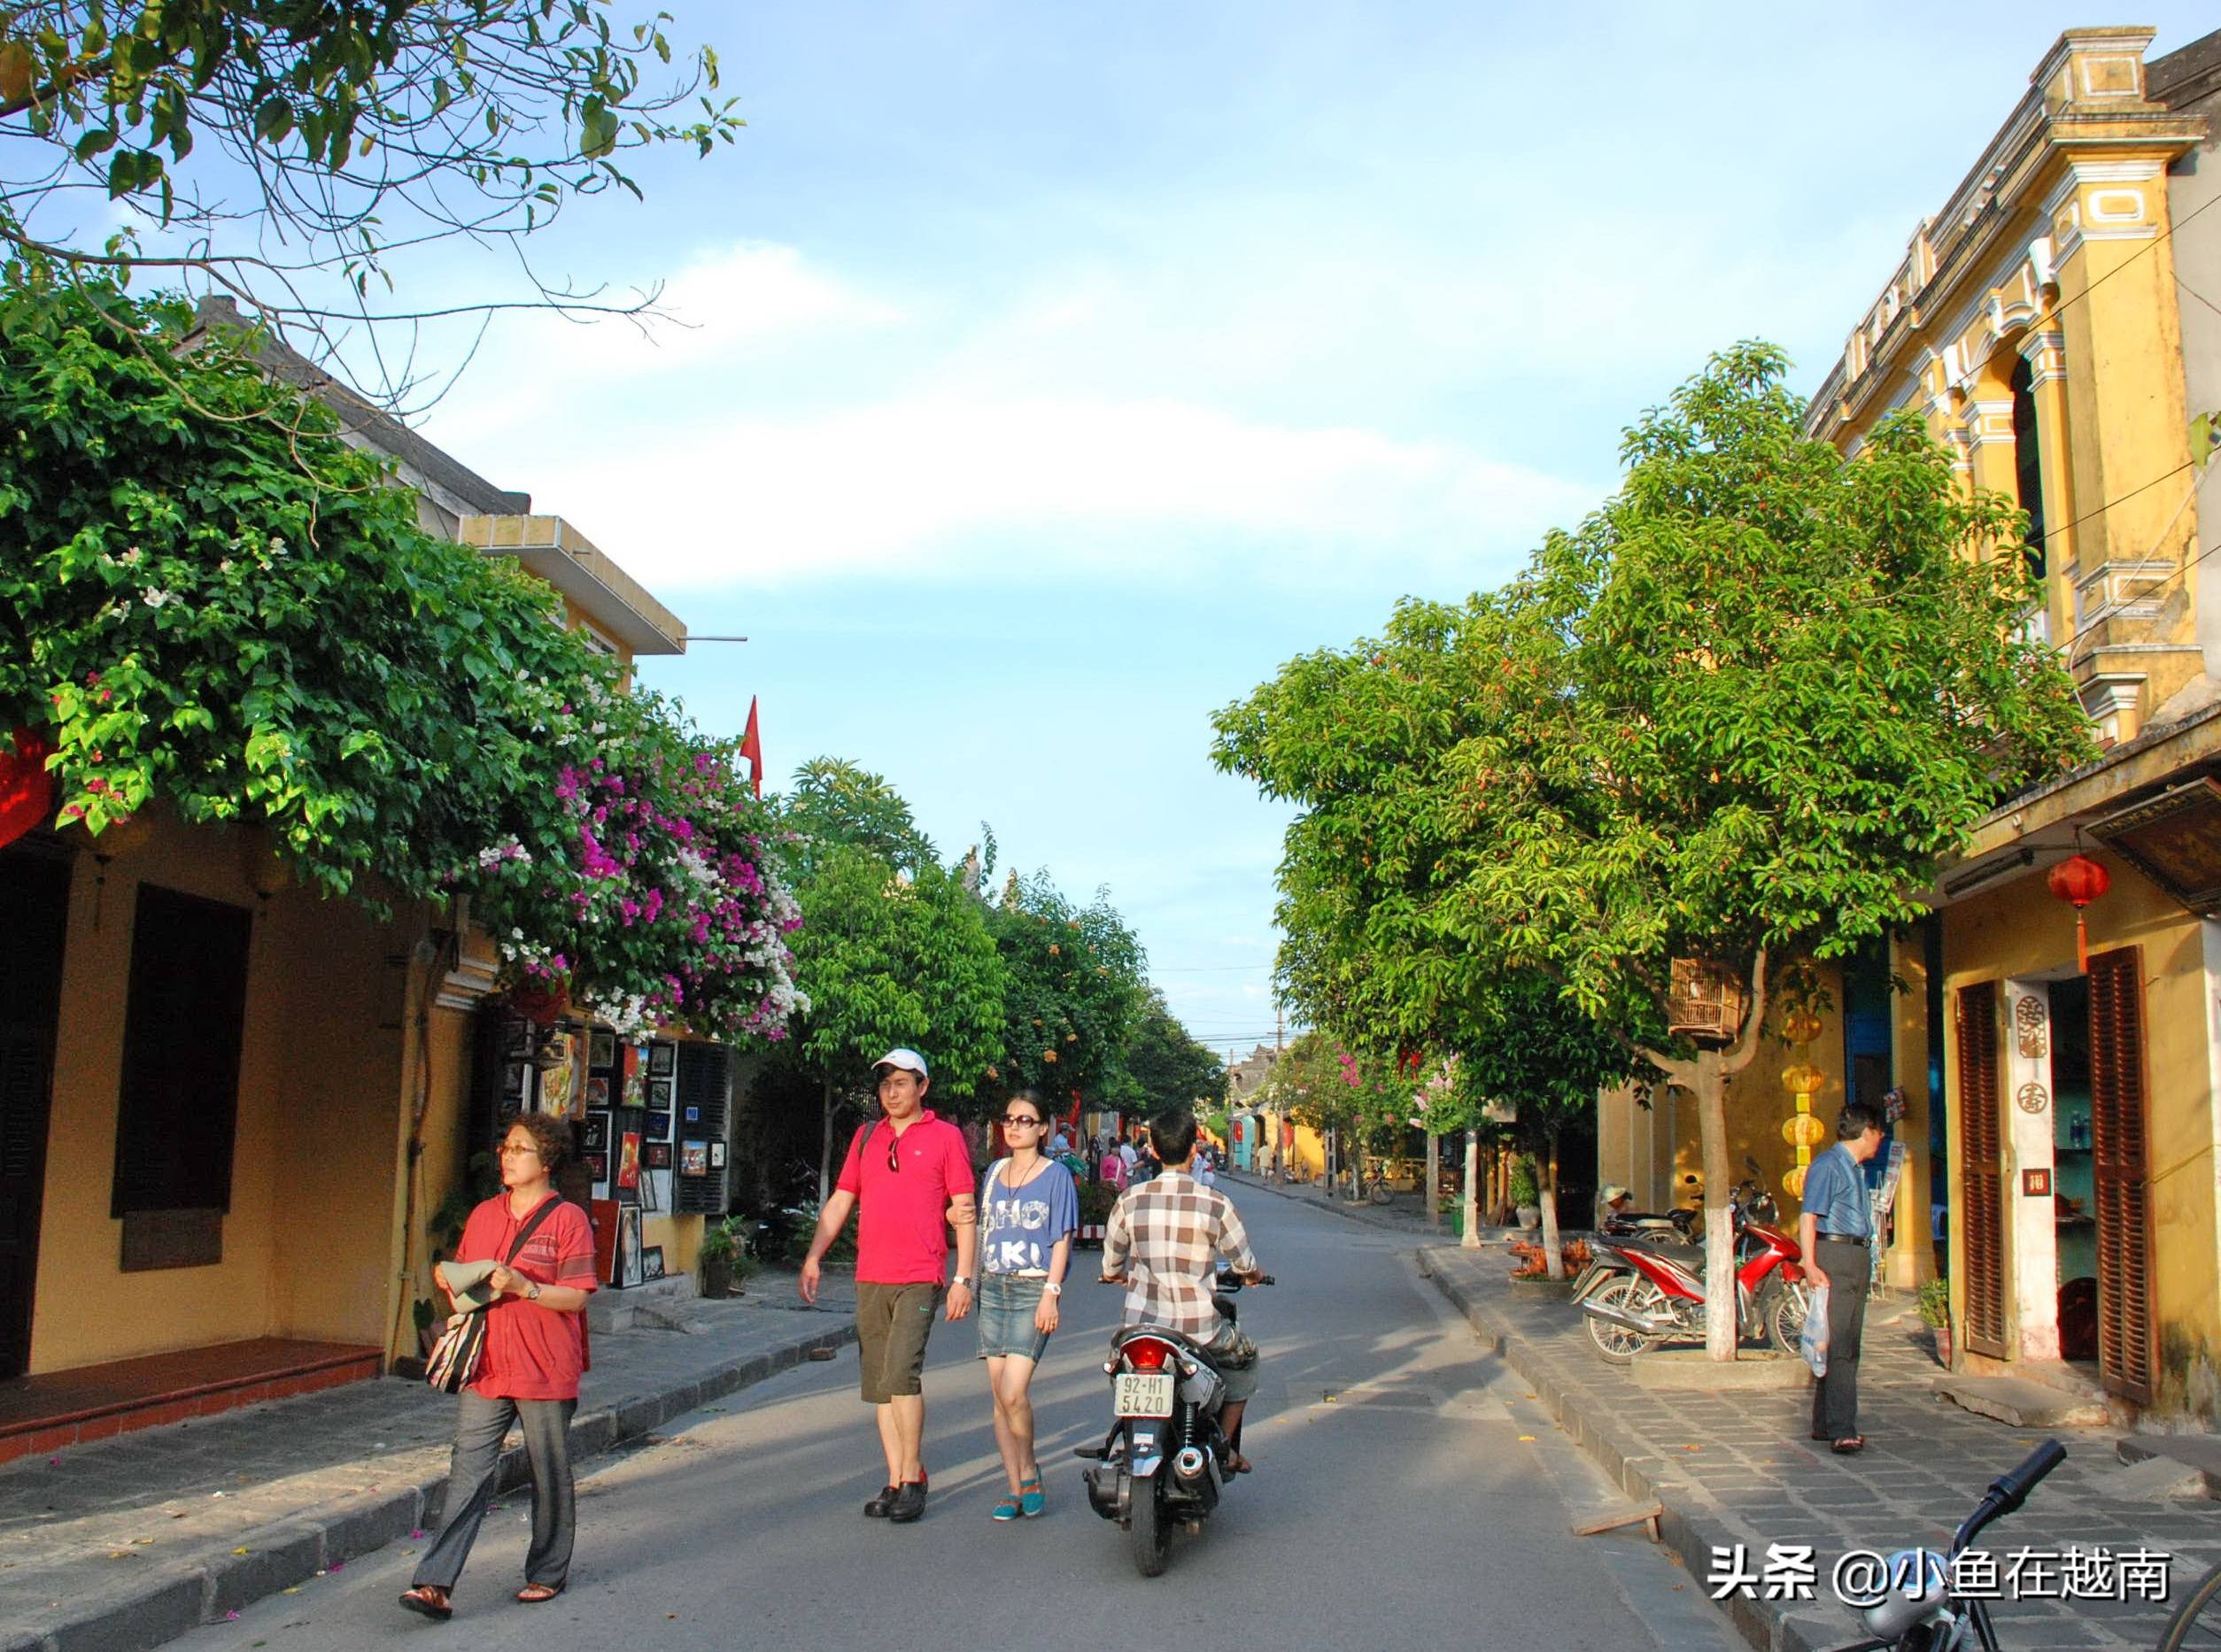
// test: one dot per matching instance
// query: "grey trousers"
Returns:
(1835, 1399)
(481, 1426)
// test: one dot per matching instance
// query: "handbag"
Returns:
(454, 1359)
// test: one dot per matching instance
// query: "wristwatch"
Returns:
(532, 1292)
(1053, 1288)
(963, 1280)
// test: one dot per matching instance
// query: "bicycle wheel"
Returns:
(2197, 1621)
(1620, 1344)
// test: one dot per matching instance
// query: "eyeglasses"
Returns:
(520, 1147)
(1021, 1120)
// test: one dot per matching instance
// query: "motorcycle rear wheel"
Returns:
(1149, 1529)
(1785, 1319)
(1619, 1344)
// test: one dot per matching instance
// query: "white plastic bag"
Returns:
(1813, 1344)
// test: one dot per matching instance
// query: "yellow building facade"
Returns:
(2064, 1101)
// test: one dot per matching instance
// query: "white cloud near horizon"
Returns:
(934, 483)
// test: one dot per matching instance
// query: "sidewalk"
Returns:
(126, 1543)
(1737, 1467)
(1403, 1215)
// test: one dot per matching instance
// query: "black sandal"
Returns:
(420, 1599)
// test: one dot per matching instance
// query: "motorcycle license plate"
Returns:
(1142, 1394)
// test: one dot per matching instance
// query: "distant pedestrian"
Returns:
(911, 1177)
(1029, 1211)
(535, 1350)
(1112, 1171)
(1837, 1231)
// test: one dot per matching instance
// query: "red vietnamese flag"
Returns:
(752, 748)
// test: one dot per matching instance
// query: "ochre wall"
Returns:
(305, 1241)
(2017, 929)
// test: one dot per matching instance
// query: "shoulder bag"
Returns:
(454, 1360)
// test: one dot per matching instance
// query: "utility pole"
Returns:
(1280, 1029)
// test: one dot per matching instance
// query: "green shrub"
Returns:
(1524, 1192)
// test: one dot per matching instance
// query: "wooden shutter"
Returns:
(2119, 1140)
(704, 1088)
(35, 922)
(1981, 1153)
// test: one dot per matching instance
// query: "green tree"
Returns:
(1165, 1066)
(1742, 711)
(892, 958)
(835, 803)
(282, 153)
(1074, 996)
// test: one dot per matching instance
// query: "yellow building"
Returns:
(234, 1106)
(2037, 323)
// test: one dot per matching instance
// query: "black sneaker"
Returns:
(879, 1505)
(909, 1503)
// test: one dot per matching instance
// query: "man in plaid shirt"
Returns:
(1162, 1243)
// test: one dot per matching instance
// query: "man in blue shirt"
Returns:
(1837, 1232)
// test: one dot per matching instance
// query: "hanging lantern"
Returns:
(1802, 1130)
(27, 791)
(1793, 1182)
(1800, 1026)
(540, 1002)
(2078, 880)
(1803, 1079)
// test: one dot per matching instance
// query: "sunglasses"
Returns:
(1022, 1120)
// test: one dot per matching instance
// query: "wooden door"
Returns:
(35, 919)
(1982, 1209)
(2119, 1141)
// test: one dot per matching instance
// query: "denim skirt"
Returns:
(1005, 1312)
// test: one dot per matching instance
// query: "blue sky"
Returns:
(1054, 373)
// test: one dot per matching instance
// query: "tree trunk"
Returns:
(1434, 1181)
(1469, 1211)
(824, 1154)
(1554, 1250)
(1720, 1336)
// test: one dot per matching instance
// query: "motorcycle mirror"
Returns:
(1750, 1164)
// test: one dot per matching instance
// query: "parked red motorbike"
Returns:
(1661, 1297)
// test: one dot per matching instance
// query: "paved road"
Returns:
(1426, 1502)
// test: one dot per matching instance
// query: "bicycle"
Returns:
(2197, 1621)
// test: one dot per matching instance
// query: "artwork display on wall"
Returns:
(693, 1158)
(597, 1090)
(693, 1115)
(717, 1155)
(628, 1246)
(597, 1166)
(657, 1155)
(513, 1081)
(629, 1162)
(559, 1081)
(662, 1059)
(652, 1262)
(604, 1055)
(659, 1127)
(595, 1137)
(660, 1092)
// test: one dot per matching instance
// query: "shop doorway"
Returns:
(35, 917)
(2074, 1162)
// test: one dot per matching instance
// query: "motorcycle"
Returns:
(1683, 1227)
(1661, 1296)
(1162, 1462)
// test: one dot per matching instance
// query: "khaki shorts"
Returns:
(892, 1322)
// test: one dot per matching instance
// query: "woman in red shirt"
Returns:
(529, 1373)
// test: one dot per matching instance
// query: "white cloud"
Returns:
(935, 482)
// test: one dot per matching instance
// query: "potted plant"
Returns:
(1526, 1199)
(723, 1261)
(1935, 1313)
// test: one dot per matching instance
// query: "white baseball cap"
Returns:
(909, 1060)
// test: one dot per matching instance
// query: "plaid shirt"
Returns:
(1163, 1236)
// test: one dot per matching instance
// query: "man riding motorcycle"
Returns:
(1161, 1242)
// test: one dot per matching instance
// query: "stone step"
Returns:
(2074, 1381)
(1693, 1367)
(2022, 1403)
(2198, 1454)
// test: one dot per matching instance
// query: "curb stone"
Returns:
(1687, 1524)
(167, 1604)
(1409, 1230)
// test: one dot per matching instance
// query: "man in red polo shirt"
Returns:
(911, 1175)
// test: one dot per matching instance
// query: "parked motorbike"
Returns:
(1660, 1297)
(1676, 1227)
(1164, 1461)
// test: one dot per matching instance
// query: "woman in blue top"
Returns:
(1028, 1212)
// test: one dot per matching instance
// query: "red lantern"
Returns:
(27, 791)
(2078, 880)
(541, 1003)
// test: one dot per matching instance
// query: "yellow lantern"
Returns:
(1804, 1131)
(1800, 1026)
(1794, 1182)
(1803, 1079)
